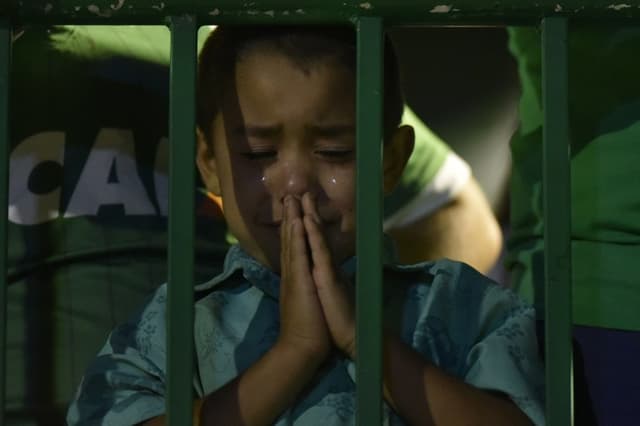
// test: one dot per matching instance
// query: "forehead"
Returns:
(271, 82)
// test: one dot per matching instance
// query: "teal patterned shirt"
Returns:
(452, 315)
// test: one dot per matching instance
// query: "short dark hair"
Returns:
(304, 45)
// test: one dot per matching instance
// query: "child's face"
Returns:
(284, 131)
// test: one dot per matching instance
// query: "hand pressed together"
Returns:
(316, 310)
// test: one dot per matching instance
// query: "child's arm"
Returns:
(260, 394)
(419, 391)
(423, 394)
(267, 388)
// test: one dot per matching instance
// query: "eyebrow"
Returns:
(332, 129)
(270, 131)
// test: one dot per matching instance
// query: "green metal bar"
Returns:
(5, 60)
(369, 220)
(182, 127)
(295, 11)
(556, 181)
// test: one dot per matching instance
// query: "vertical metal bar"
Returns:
(556, 180)
(5, 61)
(181, 220)
(369, 222)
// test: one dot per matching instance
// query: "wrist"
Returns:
(299, 354)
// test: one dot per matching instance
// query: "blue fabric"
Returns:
(449, 313)
(612, 373)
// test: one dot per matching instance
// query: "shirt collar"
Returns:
(239, 262)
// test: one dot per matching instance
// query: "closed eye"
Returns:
(259, 155)
(336, 154)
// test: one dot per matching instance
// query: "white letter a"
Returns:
(114, 148)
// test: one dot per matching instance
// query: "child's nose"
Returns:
(297, 178)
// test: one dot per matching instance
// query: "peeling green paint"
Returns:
(394, 12)
(117, 6)
(442, 8)
(96, 10)
(619, 6)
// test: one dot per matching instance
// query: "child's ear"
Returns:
(396, 154)
(205, 160)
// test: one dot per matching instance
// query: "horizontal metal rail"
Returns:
(310, 11)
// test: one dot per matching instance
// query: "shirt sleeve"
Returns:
(479, 332)
(125, 384)
(506, 359)
(433, 176)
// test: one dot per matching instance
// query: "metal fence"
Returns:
(369, 17)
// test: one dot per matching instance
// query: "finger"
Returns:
(298, 252)
(284, 238)
(320, 253)
(309, 207)
(286, 231)
(337, 305)
(295, 209)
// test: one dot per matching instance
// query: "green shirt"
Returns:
(604, 108)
